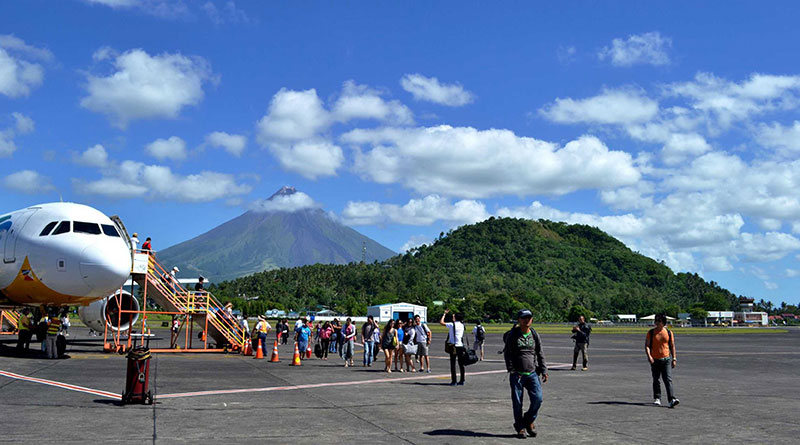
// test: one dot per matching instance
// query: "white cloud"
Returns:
(28, 182)
(791, 273)
(311, 159)
(417, 212)
(226, 14)
(770, 285)
(94, 156)
(470, 163)
(717, 263)
(622, 106)
(785, 139)
(23, 124)
(362, 102)
(131, 179)
(293, 116)
(116, 3)
(173, 148)
(168, 9)
(232, 143)
(7, 145)
(681, 146)
(431, 90)
(566, 54)
(146, 87)
(285, 203)
(19, 74)
(768, 246)
(649, 48)
(415, 241)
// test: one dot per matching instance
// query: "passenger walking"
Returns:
(284, 332)
(376, 339)
(24, 332)
(479, 335)
(581, 334)
(388, 344)
(423, 338)
(525, 363)
(399, 352)
(659, 346)
(325, 333)
(367, 337)
(302, 335)
(53, 328)
(455, 333)
(349, 333)
(337, 329)
(409, 346)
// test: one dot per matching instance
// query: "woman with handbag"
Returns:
(454, 346)
(325, 339)
(409, 345)
(388, 344)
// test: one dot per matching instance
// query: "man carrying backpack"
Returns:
(581, 334)
(479, 334)
(525, 363)
(659, 345)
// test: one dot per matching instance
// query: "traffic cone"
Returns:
(296, 358)
(275, 353)
(260, 351)
(308, 351)
(248, 348)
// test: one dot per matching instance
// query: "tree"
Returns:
(576, 311)
(698, 313)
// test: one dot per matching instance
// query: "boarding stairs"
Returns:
(204, 309)
(9, 320)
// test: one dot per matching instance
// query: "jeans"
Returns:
(460, 355)
(262, 336)
(51, 346)
(582, 348)
(531, 383)
(662, 368)
(347, 350)
(369, 352)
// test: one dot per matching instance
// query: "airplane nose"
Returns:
(105, 268)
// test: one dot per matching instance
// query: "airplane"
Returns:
(67, 254)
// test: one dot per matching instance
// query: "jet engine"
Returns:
(106, 311)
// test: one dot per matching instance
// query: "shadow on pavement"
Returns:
(466, 433)
(617, 402)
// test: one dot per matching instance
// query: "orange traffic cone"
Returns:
(275, 352)
(308, 351)
(296, 358)
(260, 351)
(248, 348)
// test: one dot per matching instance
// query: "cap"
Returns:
(136, 234)
(176, 269)
(525, 313)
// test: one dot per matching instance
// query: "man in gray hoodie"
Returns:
(525, 363)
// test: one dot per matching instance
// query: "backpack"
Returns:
(480, 334)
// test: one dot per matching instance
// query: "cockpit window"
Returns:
(110, 230)
(48, 228)
(86, 227)
(62, 228)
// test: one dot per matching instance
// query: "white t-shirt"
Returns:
(459, 330)
(475, 333)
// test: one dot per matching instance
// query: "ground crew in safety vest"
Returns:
(53, 327)
(24, 332)
(263, 327)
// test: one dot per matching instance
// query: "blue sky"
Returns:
(674, 128)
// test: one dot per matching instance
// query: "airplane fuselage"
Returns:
(60, 254)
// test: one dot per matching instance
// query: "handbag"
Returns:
(411, 349)
(450, 348)
(472, 356)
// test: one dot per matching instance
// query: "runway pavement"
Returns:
(733, 388)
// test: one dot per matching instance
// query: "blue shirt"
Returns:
(303, 333)
(400, 335)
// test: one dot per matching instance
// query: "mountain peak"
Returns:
(286, 190)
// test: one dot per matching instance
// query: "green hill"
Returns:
(491, 269)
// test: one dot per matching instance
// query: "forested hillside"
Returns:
(490, 270)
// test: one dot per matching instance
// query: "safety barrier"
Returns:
(8, 320)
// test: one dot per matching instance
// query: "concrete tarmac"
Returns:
(733, 388)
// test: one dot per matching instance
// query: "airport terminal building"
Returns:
(397, 311)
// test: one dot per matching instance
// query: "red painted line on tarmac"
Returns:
(96, 392)
(323, 385)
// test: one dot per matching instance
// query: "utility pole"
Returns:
(363, 252)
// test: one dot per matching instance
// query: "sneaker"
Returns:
(585, 368)
(673, 403)
(657, 402)
(421, 370)
(345, 364)
(452, 383)
(531, 429)
(460, 383)
(521, 434)
(572, 369)
(428, 371)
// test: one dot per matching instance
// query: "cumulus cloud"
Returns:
(417, 212)
(20, 72)
(23, 124)
(146, 87)
(296, 126)
(470, 163)
(785, 139)
(7, 145)
(639, 49)
(622, 106)
(94, 156)
(285, 203)
(415, 241)
(232, 143)
(132, 179)
(173, 148)
(28, 182)
(431, 90)
(680, 146)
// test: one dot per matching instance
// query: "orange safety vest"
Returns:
(52, 328)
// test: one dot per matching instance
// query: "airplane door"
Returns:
(10, 245)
